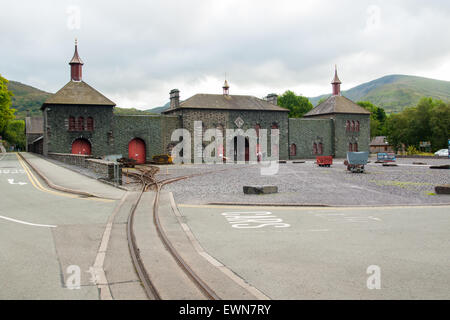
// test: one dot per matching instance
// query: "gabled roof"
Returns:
(337, 104)
(379, 141)
(227, 102)
(34, 125)
(80, 93)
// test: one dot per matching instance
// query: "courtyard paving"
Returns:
(308, 184)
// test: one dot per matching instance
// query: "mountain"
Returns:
(159, 109)
(26, 98)
(393, 93)
(396, 92)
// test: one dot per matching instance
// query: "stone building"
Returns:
(80, 120)
(225, 111)
(33, 134)
(350, 123)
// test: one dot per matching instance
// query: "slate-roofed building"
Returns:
(351, 123)
(78, 119)
(34, 129)
(225, 111)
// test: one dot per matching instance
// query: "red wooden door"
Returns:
(81, 146)
(136, 150)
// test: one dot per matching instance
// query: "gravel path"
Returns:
(307, 183)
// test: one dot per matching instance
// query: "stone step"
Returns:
(260, 189)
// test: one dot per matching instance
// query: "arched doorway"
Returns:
(136, 150)
(81, 146)
(237, 151)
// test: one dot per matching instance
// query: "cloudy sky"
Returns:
(135, 52)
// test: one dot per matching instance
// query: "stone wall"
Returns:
(78, 160)
(213, 118)
(104, 169)
(155, 131)
(305, 132)
(58, 138)
(343, 137)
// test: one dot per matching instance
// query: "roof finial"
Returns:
(76, 65)
(226, 87)
(336, 83)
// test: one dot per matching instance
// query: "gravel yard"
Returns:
(308, 184)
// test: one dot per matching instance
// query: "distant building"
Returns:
(380, 144)
(34, 129)
(80, 120)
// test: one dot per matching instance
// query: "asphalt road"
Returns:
(42, 233)
(330, 253)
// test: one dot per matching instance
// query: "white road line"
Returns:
(28, 223)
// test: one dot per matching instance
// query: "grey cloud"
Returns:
(134, 47)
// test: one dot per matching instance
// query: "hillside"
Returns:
(393, 93)
(26, 98)
(29, 98)
(396, 92)
(159, 109)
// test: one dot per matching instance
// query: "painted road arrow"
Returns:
(11, 181)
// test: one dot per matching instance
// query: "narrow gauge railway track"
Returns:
(146, 177)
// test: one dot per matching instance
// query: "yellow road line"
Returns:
(35, 182)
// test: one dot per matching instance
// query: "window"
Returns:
(71, 123)
(347, 127)
(355, 147)
(357, 126)
(90, 124)
(293, 150)
(315, 148)
(352, 129)
(350, 147)
(80, 124)
(320, 148)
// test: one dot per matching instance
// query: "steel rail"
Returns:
(147, 180)
(150, 290)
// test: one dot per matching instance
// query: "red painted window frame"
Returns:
(90, 124)
(72, 123)
(80, 124)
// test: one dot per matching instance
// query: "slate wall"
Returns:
(305, 132)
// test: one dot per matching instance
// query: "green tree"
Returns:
(15, 134)
(6, 113)
(297, 105)
(440, 125)
(377, 118)
(428, 121)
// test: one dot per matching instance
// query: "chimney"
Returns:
(336, 83)
(272, 98)
(76, 65)
(174, 98)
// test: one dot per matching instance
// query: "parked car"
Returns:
(442, 153)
